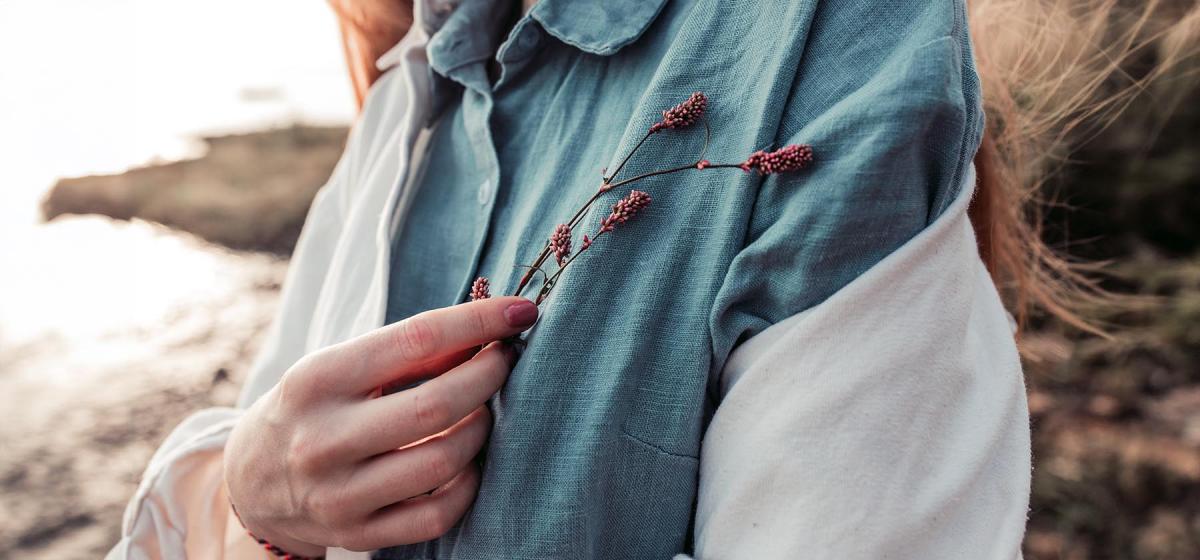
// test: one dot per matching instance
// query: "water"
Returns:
(96, 87)
(111, 332)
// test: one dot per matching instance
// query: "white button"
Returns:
(485, 191)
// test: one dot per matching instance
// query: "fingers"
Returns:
(394, 421)
(412, 471)
(419, 519)
(429, 370)
(397, 352)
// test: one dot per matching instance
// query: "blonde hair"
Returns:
(1052, 74)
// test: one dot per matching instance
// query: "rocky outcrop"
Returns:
(248, 191)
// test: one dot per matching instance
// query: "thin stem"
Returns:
(541, 259)
(537, 265)
(676, 170)
(606, 186)
(608, 180)
(580, 213)
(545, 254)
(700, 158)
(533, 270)
(654, 174)
(707, 140)
(629, 156)
(553, 279)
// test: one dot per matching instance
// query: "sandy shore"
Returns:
(82, 416)
(114, 331)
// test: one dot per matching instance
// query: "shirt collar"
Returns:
(470, 34)
(465, 31)
(600, 27)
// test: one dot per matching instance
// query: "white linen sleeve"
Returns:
(286, 340)
(888, 422)
(181, 491)
(181, 494)
(180, 509)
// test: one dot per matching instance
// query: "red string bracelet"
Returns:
(279, 552)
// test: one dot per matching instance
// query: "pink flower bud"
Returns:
(703, 164)
(753, 161)
(586, 243)
(624, 209)
(481, 289)
(787, 158)
(560, 243)
(683, 114)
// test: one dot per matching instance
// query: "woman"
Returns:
(810, 364)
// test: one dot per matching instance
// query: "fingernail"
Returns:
(521, 314)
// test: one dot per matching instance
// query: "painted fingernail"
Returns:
(521, 314)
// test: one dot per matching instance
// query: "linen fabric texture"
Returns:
(594, 452)
(711, 378)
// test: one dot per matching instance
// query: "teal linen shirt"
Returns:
(594, 451)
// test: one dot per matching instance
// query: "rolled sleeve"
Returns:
(887, 96)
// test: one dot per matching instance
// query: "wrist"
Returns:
(287, 549)
(278, 544)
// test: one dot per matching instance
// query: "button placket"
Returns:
(477, 107)
(477, 118)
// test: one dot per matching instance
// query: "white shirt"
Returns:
(889, 421)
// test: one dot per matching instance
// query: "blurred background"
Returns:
(156, 161)
(157, 158)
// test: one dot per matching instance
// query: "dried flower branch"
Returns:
(682, 115)
(685, 114)
(622, 211)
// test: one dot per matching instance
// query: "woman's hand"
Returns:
(325, 459)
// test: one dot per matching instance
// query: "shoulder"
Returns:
(885, 80)
(911, 53)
